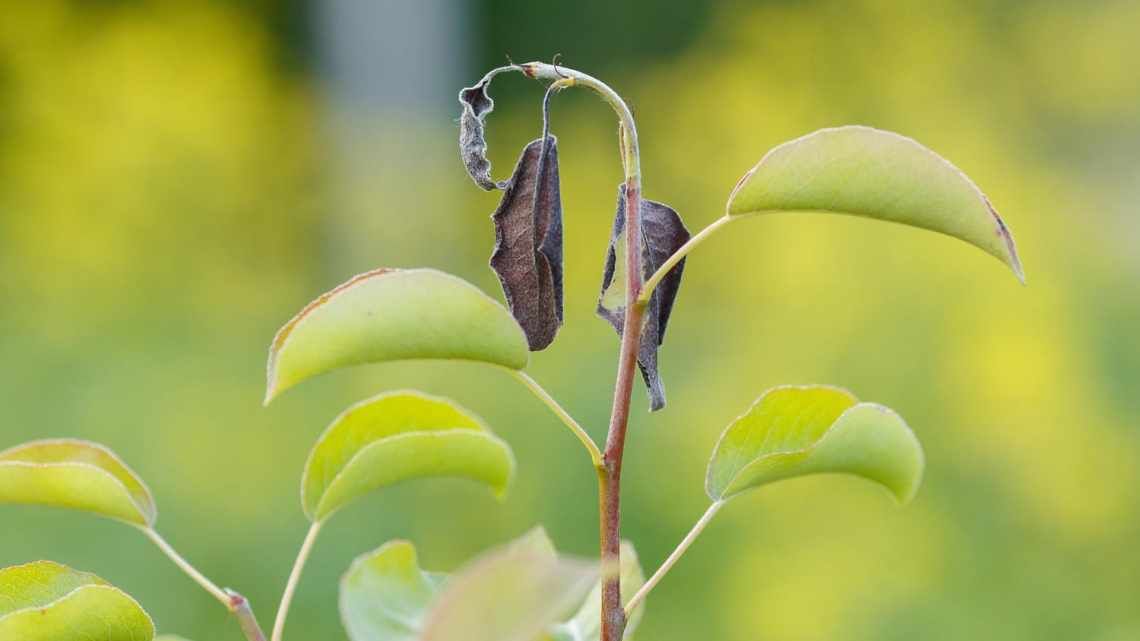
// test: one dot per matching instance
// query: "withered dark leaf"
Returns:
(528, 243)
(662, 234)
(472, 138)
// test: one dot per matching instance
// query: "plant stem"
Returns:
(609, 473)
(681, 252)
(294, 579)
(545, 397)
(234, 602)
(672, 560)
(246, 619)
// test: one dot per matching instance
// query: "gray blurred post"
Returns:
(389, 74)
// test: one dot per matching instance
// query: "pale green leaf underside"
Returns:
(46, 601)
(514, 593)
(797, 431)
(75, 474)
(391, 315)
(385, 595)
(876, 174)
(395, 437)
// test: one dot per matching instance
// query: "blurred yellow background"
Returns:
(178, 178)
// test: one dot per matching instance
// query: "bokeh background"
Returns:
(178, 178)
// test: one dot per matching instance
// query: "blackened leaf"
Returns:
(472, 139)
(528, 243)
(662, 234)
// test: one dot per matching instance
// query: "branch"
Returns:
(234, 602)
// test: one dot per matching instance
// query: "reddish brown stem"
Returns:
(609, 476)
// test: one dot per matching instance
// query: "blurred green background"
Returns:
(178, 178)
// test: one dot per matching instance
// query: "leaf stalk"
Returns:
(668, 564)
(294, 579)
(562, 414)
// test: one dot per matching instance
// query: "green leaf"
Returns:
(385, 595)
(586, 624)
(390, 315)
(46, 601)
(169, 637)
(515, 593)
(877, 174)
(75, 474)
(796, 431)
(397, 437)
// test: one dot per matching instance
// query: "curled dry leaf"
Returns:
(528, 243)
(472, 137)
(662, 233)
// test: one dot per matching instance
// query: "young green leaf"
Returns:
(394, 314)
(662, 233)
(397, 437)
(528, 243)
(385, 595)
(75, 474)
(46, 601)
(515, 593)
(586, 623)
(796, 431)
(876, 174)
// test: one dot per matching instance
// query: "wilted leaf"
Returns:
(528, 243)
(75, 474)
(472, 137)
(512, 594)
(876, 174)
(586, 624)
(385, 595)
(394, 314)
(397, 437)
(662, 233)
(46, 601)
(795, 431)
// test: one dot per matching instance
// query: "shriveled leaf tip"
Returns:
(472, 137)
